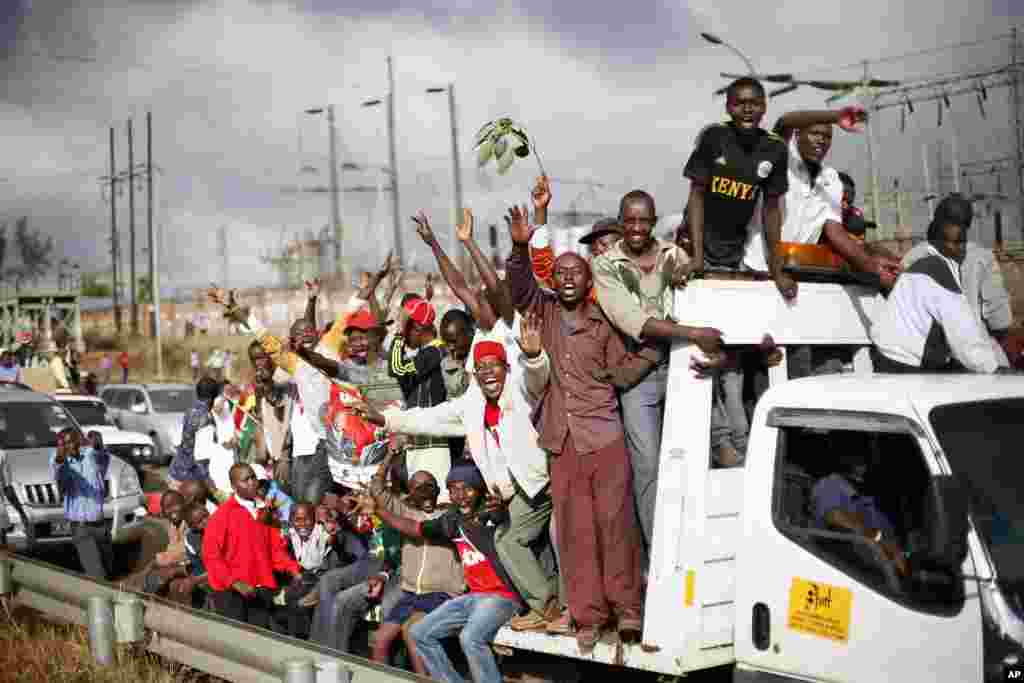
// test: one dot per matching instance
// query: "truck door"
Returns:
(818, 598)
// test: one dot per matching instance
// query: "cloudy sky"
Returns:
(612, 93)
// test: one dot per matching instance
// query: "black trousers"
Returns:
(95, 550)
(310, 475)
(255, 610)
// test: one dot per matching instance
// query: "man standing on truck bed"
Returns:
(635, 281)
(926, 324)
(581, 428)
(734, 164)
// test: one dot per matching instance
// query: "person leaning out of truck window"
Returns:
(927, 324)
(840, 503)
(80, 471)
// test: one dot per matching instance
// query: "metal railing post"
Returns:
(299, 671)
(129, 620)
(101, 630)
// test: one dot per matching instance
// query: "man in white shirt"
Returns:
(982, 283)
(926, 324)
(502, 441)
(812, 206)
(812, 211)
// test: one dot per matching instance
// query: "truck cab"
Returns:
(746, 571)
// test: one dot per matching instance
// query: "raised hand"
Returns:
(518, 220)
(428, 290)
(385, 269)
(423, 228)
(494, 501)
(529, 339)
(464, 230)
(312, 288)
(852, 119)
(368, 412)
(541, 194)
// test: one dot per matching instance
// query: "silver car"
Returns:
(157, 410)
(29, 423)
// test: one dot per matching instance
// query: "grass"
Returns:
(33, 650)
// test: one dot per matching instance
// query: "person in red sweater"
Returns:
(241, 552)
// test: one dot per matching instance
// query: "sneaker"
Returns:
(562, 626)
(586, 638)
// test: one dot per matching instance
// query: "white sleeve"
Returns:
(968, 342)
(535, 379)
(444, 419)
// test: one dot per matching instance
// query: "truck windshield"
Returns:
(172, 400)
(982, 443)
(31, 425)
(88, 413)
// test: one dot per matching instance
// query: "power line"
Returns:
(917, 53)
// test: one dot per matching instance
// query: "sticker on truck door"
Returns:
(819, 609)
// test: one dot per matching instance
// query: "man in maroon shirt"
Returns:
(581, 428)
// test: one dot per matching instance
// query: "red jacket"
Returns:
(238, 548)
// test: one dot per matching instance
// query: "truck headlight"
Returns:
(136, 451)
(128, 482)
(147, 452)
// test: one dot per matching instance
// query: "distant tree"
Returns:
(91, 286)
(145, 290)
(35, 251)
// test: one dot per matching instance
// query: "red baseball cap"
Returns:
(363, 320)
(488, 348)
(421, 312)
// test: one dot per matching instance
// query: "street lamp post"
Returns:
(392, 157)
(335, 190)
(456, 174)
(715, 40)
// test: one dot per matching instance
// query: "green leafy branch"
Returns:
(503, 140)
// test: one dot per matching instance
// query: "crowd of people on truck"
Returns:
(499, 466)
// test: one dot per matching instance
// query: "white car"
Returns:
(92, 414)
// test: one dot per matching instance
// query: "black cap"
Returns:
(605, 226)
(955, 209)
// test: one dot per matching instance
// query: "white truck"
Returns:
(742, 577)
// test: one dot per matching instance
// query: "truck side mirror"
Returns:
(946, 512)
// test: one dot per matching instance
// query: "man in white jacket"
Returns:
(926, 324)
(503, 442)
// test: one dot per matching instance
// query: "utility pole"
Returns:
(872, 171)
(335, 193)
(1018, 148)
(222, 251)
(928, 180)
(154, 276)
(393, 161)
(131, 229)
(456, 177)
(114, 241)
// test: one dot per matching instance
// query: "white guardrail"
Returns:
(199, 639)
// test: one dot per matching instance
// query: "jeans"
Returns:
(732, 425)
(476, 617)
(324, 629)
(95, 550)
(311, 477)
(344, 601)
(643, 409)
